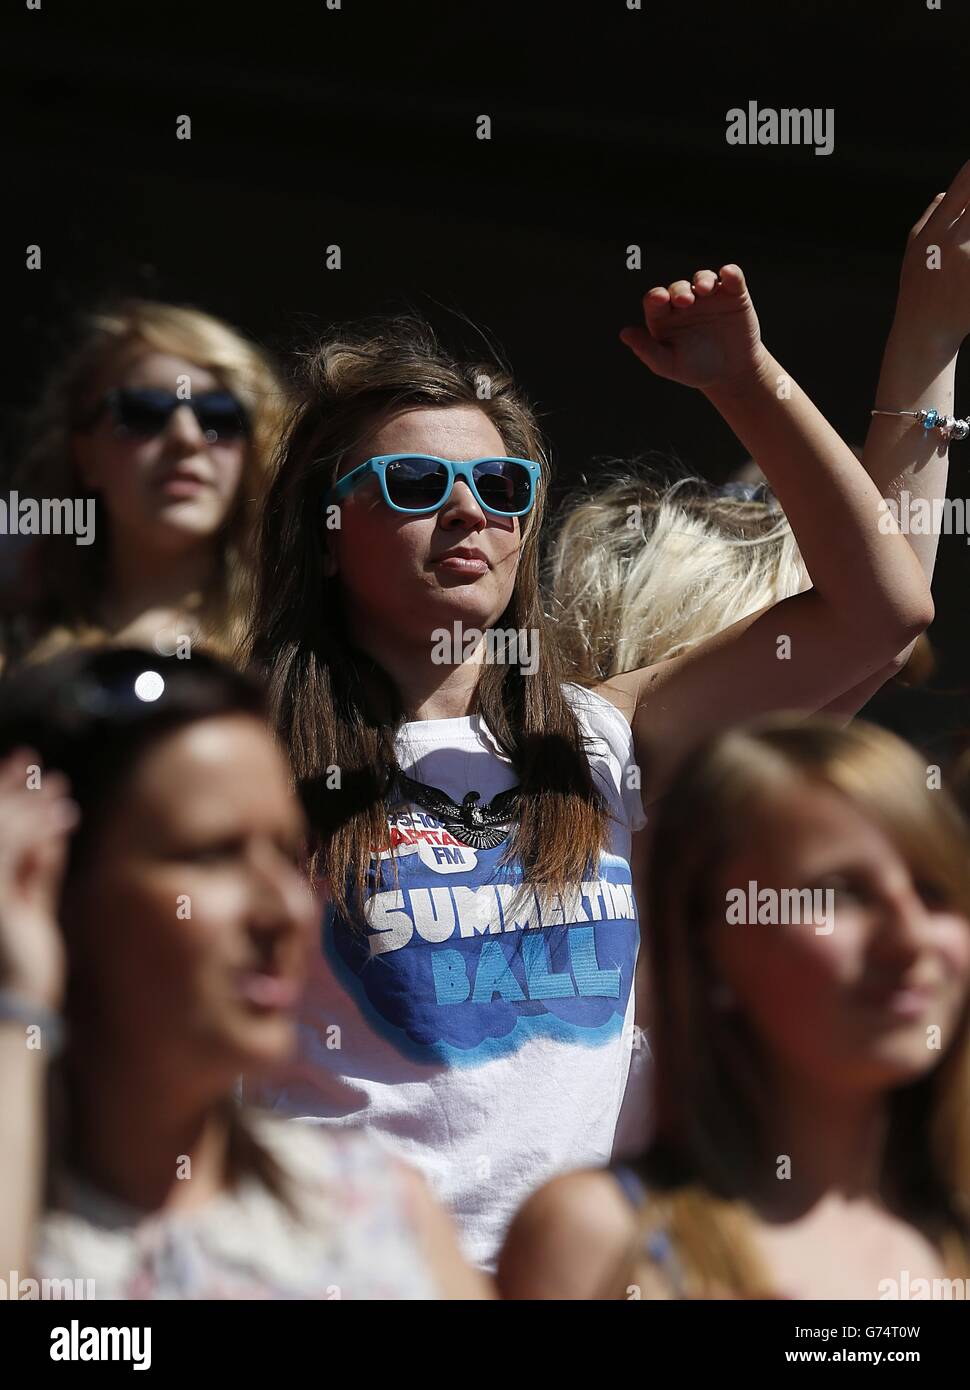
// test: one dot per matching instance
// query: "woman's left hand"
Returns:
(934, 286)
(702, 333)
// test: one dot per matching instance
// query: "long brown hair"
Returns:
(332, 703)
(66, 582)
(712, 1094)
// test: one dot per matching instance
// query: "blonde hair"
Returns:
(66, 582)
(712, 1091)
(641, 570)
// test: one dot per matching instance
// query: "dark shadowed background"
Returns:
(357, 127)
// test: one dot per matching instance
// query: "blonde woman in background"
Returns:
(646, 567)
(166, 417)
(644, 570)
(812, 1131)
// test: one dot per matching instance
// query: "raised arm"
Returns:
(33, 826)
(908, 464)
(869, 596)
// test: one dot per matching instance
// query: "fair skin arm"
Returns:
(32, 851)
(869, 595)
(22, 1141)
(569, 1241)
(918, 371)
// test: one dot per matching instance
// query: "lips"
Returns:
(470, 562)
(899, 999)
(269, 993)
(183, 483)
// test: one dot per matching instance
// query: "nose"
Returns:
(902, 921)
(462, 508)
(183, 430)
(280, 902)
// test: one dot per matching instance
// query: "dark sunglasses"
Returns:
(125, 685)
(422, 483)
(146, 411)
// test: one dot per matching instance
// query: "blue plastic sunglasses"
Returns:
(416, 484)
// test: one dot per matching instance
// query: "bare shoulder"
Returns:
(569, 1239)
(622, 693)
(628, 691)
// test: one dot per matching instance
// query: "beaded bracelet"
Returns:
(946, 425)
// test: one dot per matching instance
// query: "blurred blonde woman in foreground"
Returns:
(161, 425)
(812, 1067)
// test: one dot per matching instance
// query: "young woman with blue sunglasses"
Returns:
(471, 994)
